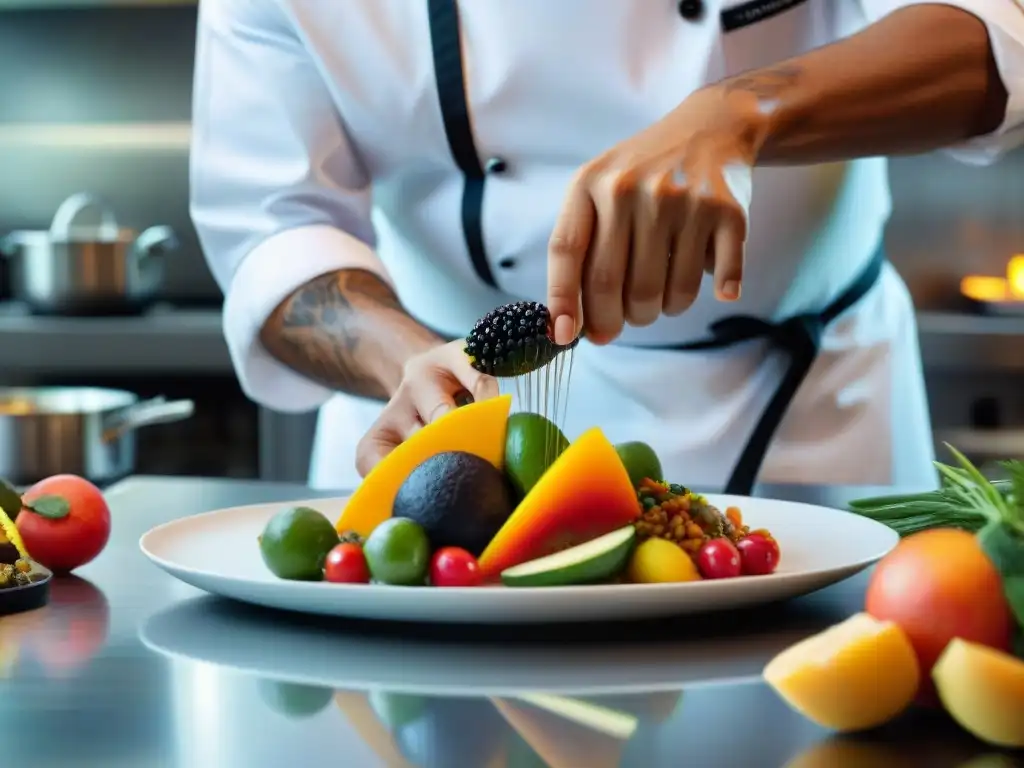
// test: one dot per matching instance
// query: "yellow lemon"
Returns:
(658, 560)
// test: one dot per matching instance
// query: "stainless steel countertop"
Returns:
(166, 339)
(128, 667)
(191, 341)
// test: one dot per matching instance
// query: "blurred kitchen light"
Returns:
(997, 289)
(1015, 276)
(99, 136)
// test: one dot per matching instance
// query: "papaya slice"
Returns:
(478, 428)
(586, 493)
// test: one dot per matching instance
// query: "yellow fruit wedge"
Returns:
(856, 675)
(983, 690)
(478, 428)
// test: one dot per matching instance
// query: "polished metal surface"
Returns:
(86, 431)
(128, 667)
(70, 269)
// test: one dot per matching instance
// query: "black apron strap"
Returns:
(800, 338)
(446, 44)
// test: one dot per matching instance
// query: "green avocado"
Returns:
(295, 544)
(641, 462)
(459, 499)
(532, 444)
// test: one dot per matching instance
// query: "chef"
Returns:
(698, 187)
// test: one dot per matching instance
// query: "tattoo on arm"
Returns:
(331, 328)
(766, 84)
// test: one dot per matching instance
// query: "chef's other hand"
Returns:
(642, 222)
(433, 383)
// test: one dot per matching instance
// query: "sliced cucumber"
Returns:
(594, 560)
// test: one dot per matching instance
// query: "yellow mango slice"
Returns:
(478, 428)
(856, 675)
(983, 690)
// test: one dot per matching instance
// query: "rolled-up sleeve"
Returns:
(1005, 22)
(278, 196)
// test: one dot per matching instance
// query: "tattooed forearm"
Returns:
(348, 331)
(766, 84)
(920, 78)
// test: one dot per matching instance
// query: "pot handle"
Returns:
(145, 414)
(155, 241)
(64, 218)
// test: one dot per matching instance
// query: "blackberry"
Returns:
(513, 340)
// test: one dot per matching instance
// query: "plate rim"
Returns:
(567, 591)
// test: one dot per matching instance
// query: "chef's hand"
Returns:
(641, 223)
(433, 383)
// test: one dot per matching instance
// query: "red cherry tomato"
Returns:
(758, 555)
(719, 559)
(346, 564)
(761, 533)
(454, 567)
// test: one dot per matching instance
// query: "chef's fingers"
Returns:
(567, 251)
(396, 423)
(686, 266)
(658, 207)
(454, 363)
(604, 272)
(729, 237)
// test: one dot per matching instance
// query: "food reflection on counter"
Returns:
(481, 497)
(62, 637)
(543, 729)
(296, 701)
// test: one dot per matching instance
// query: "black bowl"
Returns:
(27, 597)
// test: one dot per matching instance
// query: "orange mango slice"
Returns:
(855, 675)
(586, 493)
(478, 428)
(983, 690)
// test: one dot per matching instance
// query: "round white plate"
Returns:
(217, 552)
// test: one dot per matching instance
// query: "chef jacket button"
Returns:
(507, 263)
(691, 10)
(496, 165)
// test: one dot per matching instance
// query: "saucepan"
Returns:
(85, 431)
(72, 269)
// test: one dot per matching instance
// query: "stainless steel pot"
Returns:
(85, 431)
(73, 269)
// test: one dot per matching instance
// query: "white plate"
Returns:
(217, 552)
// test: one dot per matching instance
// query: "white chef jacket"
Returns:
(319, 145)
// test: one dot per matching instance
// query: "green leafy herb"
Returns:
(53, 507)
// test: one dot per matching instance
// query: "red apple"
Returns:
(64, 522)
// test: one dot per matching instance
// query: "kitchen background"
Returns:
(94, 96)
